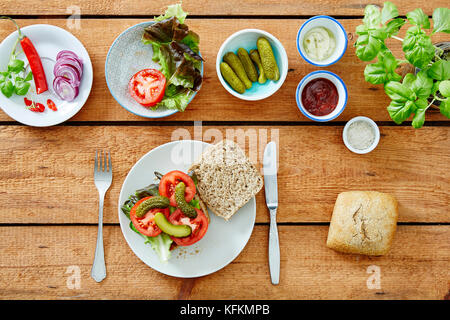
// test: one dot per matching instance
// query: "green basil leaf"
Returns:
(3, 76)
(400, 111)
(441, 20)
(409, 79)
(361, 29)
(435, 87)
(419, 18)
(399, 92)
(375, 73)
(382, 71)
(372, 16)
(367, 47)
(419, 116)
(7, 88)
(394, 26)
(388, 12)
(15, 65)
(445, 107)
(388, 60)
(444, 88)
(21, 87)
(440, 70)
(29, 76)
(418, 48)
(422, 85)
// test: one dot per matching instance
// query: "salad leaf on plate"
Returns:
(174, 10)
(160, 244)
(175, 48)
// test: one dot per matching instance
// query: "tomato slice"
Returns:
(146, 225)
(147, 87)
(199, 226)
(170, 180)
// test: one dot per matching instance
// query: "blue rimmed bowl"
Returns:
(340, 36)
(126, 56)
(247, 39)
(341, 89)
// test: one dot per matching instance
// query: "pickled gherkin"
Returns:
(181, 201)
(254, 55)
(159, 202)
(236, 64)
(268, 59)
(249, 67)
(231, 78)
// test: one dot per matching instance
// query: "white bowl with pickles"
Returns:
(252, 64)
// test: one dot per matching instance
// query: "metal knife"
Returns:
(271, 191)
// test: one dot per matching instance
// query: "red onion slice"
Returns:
(68, 53)
(64, 89)
(68, 71)
(71, 61)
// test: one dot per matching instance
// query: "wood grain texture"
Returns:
(35, 261)
(213, 102)
(47, 174)
(211, 7)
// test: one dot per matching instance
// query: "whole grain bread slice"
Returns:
(227, 179)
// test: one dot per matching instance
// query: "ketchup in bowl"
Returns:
(320, 97)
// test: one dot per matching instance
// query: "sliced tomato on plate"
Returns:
(199, 226)
(170, 180)
(146, 225)
(147, 87)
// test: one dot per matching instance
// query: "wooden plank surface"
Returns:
(47, 176)
(213, 102)
(38, 261)
(201, 7)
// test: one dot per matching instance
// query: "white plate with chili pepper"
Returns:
(63, 57)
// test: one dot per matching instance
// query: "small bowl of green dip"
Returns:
(322, 41)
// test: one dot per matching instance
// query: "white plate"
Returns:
(223, 241)
(48, 41)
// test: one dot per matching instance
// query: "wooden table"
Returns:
(48, 211)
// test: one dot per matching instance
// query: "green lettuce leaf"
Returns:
(161, 245)
(176, 100)
(195, 203)
(174, 10)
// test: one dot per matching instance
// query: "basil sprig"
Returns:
(409, 97)
(14, 79)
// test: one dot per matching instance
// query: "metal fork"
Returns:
(102, 179)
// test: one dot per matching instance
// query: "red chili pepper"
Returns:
(51, 105)
(40, 107)
(27, 102)
(35, 107)
(34, 60)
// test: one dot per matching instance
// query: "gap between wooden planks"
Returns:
(37, 261)
(47, 173)
(213, 102)
(201, 7)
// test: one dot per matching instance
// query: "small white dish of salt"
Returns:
(361, 135)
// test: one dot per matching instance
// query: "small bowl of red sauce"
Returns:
(321, 96)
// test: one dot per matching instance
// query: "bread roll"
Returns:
(363, 222)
